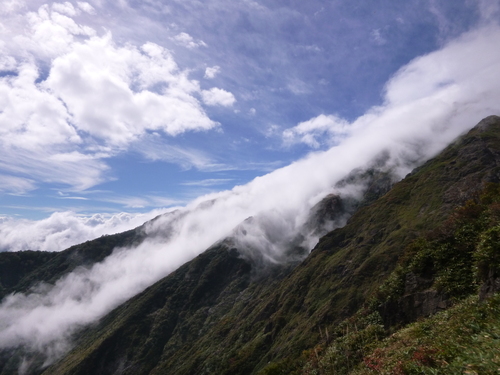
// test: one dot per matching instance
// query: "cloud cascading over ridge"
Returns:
(427, 104)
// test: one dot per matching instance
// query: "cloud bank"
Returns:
(64, 229)
(427, 104)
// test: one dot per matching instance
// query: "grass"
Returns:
(308, 320)
(462, 340)
(457, 257)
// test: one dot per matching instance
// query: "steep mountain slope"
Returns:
(221, 314)
(14, 267)
(457, 264)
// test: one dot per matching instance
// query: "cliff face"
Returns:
(221, 314)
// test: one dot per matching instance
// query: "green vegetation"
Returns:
(15, 266)
(429, 243)
(457, 257)
(464, 339)
(288, 319)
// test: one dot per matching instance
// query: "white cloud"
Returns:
(216, 96)
(86, 7)
(154, 148)
(104, 103)
(49, 34)
(65, 8)
(208, 182)
(298, 87)
(141, 202)
(186, 40)
(427, 104)
(11, 6)
(489, 9)
(7, 63)
(318, 131)
(378, 38)
(78, 98)
(64, 229)
(15, 184)
(211, 72)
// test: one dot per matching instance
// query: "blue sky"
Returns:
(129, 106)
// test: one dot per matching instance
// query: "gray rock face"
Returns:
(490, 286)
(409, 308)
(413, 283)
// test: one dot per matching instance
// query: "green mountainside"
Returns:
(427, 247)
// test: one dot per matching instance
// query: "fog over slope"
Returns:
(427, 104)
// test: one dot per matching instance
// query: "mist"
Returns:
(427, 104)
(64, 229)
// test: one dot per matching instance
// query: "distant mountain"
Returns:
(406, 251)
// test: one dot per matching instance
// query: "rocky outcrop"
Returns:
(418, 300)
(490, 286)
(410, 307)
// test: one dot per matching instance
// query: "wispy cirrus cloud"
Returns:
(153, 147)
(208, 182)
(140, 202)
(12, 184)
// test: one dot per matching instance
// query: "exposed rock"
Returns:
(490, 286)
(413, 306)
(331, 209)
(413, 283)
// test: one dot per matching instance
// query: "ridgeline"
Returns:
(428, 246)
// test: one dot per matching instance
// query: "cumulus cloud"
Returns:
(427, 104)
(216, 96)
(211, 72)
(186, 40)
(321, 130)
(111, 110)
(73, 98)
(11, 6)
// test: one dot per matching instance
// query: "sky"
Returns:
(233, 119)
(128, 106)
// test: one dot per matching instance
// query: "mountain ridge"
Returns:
(214, 314)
